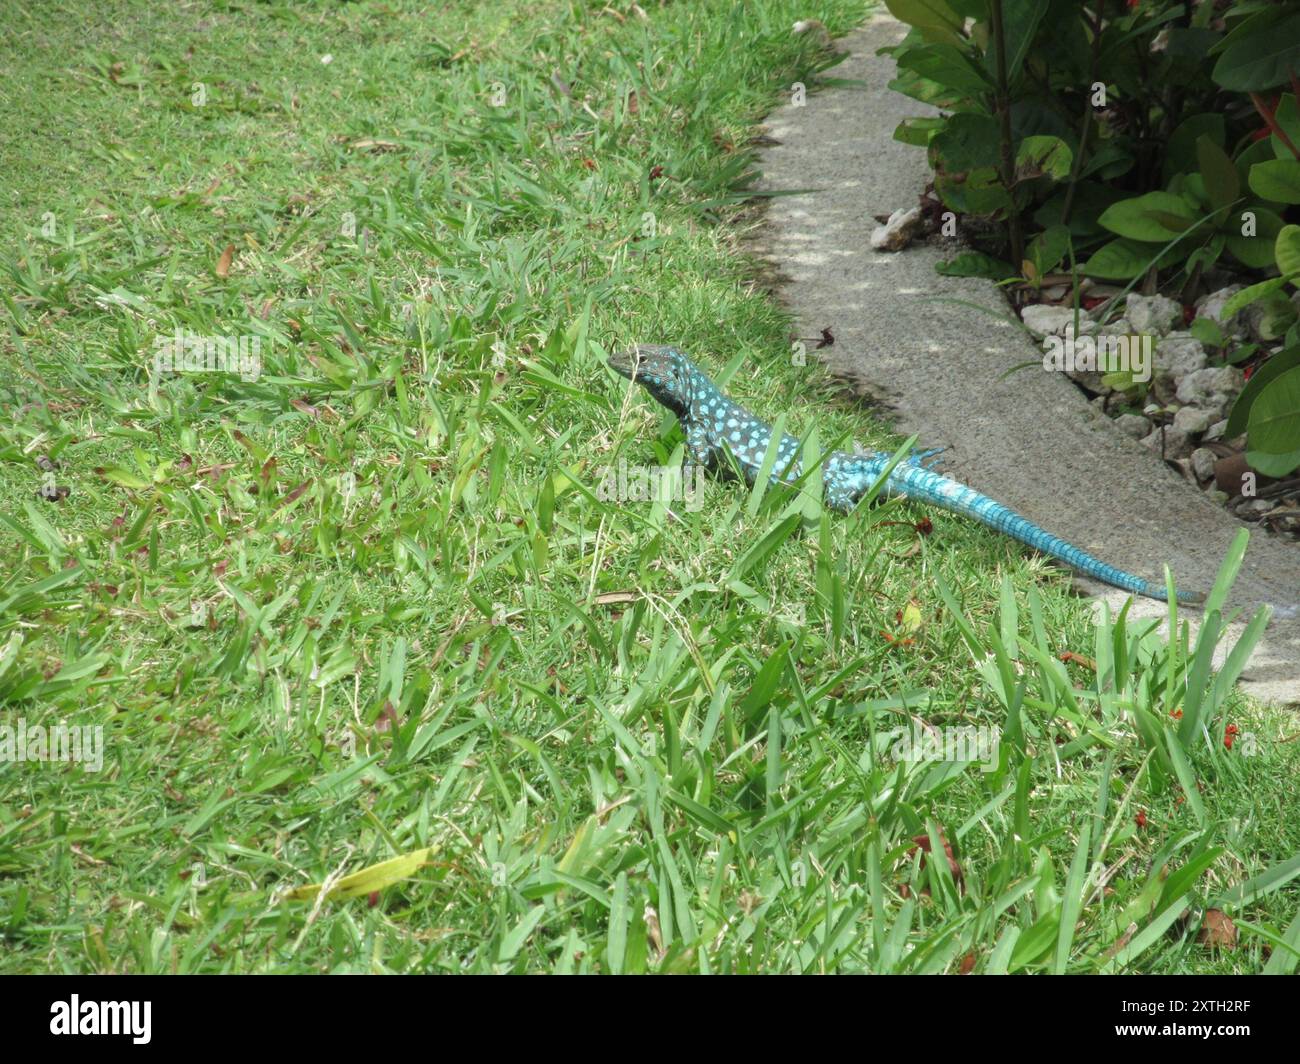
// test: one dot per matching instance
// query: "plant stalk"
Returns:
(1002, 104)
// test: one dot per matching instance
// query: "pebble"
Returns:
(1179, 354)
(1153, 314)
(1192, 420)
(1133, 425)
(1170, 442)
(1211, 388)
(1203, 460)
(1211, 306)
(1255, 506)
(899, 231)
(1042, 319)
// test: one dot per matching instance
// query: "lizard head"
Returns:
(665, 372)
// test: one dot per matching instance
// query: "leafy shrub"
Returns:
(1138, 139)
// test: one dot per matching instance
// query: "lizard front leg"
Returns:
(699, 451)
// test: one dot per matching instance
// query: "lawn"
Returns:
(368, 600)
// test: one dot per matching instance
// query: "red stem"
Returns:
(1271, 122)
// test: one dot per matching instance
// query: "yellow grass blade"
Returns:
(368, 880)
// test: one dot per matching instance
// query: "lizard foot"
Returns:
(927, 459)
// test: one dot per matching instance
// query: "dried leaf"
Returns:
(923, 841)
(654, 931)
(223, 263)
(610, 598)
(1121, 942)
(387, 719)
(294, 494)
(1217, 930)
(371, 144)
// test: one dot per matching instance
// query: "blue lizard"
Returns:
(715, 426)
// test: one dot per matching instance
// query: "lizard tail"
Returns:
(916, 482)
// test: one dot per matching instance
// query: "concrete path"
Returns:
(1030, 440)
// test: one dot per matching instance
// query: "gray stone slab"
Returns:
(1030, 440)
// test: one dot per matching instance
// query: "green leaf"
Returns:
(1279, 875)
(1249, 295)
(518, 935)
(1277, 180)
(968, 142)
(1035, 942)
(701, 813)
(1208, 331)
(1278, 315)
(1072, 900)
(1198, 676)
(1260, 59)
(976, 264)
(1223, 581)
(947, 66)
(1284, 960)
(1273, 465)
(1048, 248)
(1183, 879)
(1180, 153)
(1221, 181)
(1148, 936)
(1287, 116)
(1231, 669)
(980, 193)
(933, 18)
(1122, 260)
(1139, 218)
(1286, 251)
(1044, 155)
(1255, 251)
(1241, 354)
(1273, 368)
(1020, 19)
(616, 941)
(124, 477)
(918, 130)
(1173, 222)
(1255, 152)
(1108, 162)
(1274, 421)
(764, 479)
(766, 546)
(909, 83)
(1186, 777)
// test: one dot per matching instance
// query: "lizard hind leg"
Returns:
(927, 459)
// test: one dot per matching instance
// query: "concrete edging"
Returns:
(1030, 440)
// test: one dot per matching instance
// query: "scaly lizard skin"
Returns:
(715, 426)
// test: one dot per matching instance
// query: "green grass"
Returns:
(372, 602)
